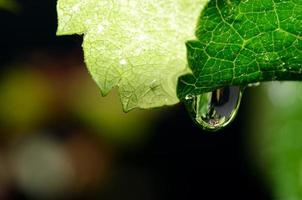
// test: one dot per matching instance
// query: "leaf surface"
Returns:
(244, 41)
(135, 45)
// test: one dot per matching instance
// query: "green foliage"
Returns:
(137, 46)
(10, 5)
(276, 137)
(244, 41)
(24, 99)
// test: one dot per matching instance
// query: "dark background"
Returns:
(181, 160)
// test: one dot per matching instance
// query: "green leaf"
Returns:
(135, 45)
(244, 41)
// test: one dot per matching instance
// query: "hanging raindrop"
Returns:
(215, 110)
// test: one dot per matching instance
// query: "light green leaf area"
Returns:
(10, 5)
(135, 45)
(244, 41)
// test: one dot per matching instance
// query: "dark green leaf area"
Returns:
(242, 42)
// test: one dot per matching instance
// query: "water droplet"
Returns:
(123, 62)
(100, 28)
(253, 84)
(154, 84)
(215, 110)
(189, 97)
(76, 8)
(142, 37)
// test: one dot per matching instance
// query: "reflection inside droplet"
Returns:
(214, 110)
(253, 84)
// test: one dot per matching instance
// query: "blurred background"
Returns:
(59, 139)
